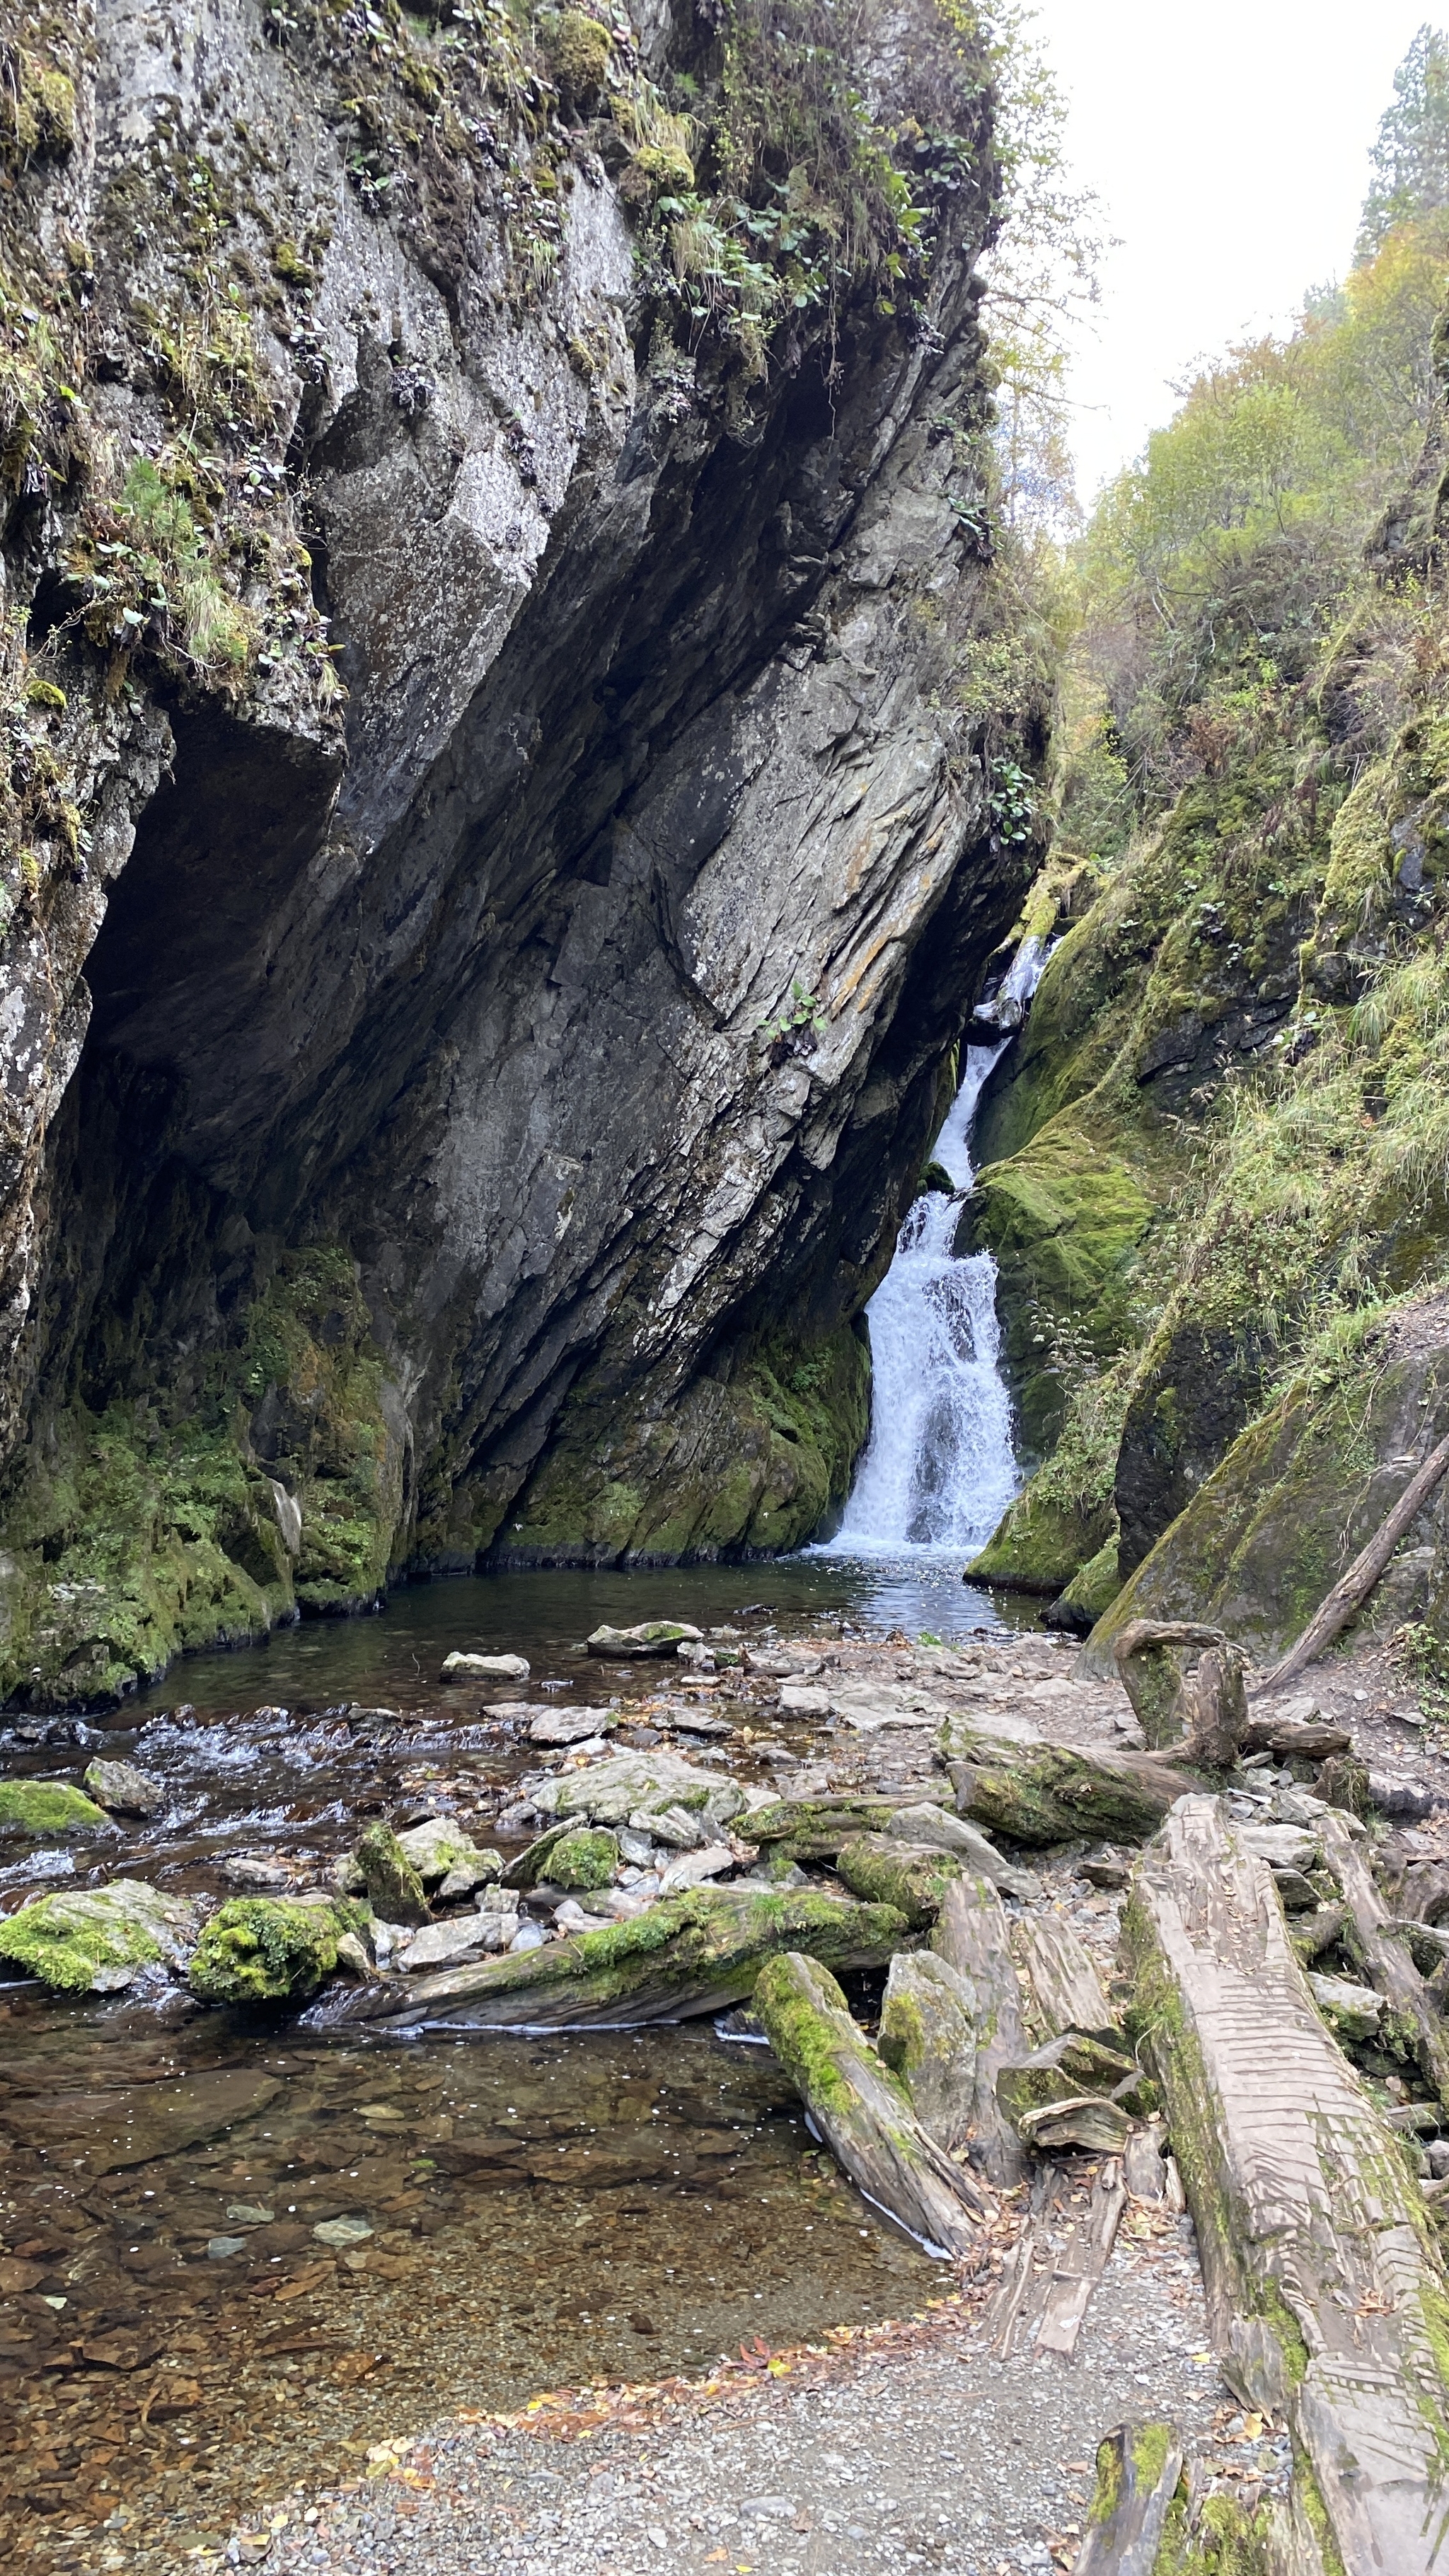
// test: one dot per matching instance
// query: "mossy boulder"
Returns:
(586, 1858)
(911, 1877)
(1088, 1595)
(1040, 1543)
(1298, 1494)
(47, 1808)
(392, 1881)
(97, 1940)
(266, 1950)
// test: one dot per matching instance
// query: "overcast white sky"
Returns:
(1230, 148)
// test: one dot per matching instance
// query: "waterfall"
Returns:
(939, 1468)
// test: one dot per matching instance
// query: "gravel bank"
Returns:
(914, 2448)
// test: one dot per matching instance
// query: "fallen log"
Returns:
(927, 2037)
(1053, 1793)
(889, 1872)
(1314, 1739)
(1139, 2470)
(1353, 1588)
(970, 1935)
(861, 2110)
(1080, 2265)
(815, 1828)
(1324, 2293)
(690, 1954)
(1386, 1961)
(1061, 1975)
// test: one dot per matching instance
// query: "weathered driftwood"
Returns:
(861, 2110)
(1353, 1588)
(1061, 2070)
(1080, 2264)
(1324, 2296)
(1023, 2266)
(1053, 1793)
(970, 1935)
(1312, 1737)
(689, 1954)
(1139, 2470)
(1061, 1974)
(1151, 1659)
(1386, 1961)
(927, 2037)
(1143, 2170)
(1087, 2121)
(899, 1874)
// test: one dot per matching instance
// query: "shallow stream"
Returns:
(504, 2214)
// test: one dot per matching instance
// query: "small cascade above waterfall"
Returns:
(939, 1468)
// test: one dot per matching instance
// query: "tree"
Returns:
(1411, 157)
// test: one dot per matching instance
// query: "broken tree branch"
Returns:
(1352, 1589)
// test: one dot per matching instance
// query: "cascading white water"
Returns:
(939, 1468)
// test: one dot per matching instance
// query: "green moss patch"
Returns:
(47, 1807)
(93, 1940)
(584, 1859)
(265, 1950)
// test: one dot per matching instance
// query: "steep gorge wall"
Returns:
(466, 1109)
(1220, 1192)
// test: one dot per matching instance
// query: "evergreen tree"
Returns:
(1411, 156)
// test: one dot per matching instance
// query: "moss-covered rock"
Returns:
(1040, 1543)
(393, 1883)
(1297, 1495)
(47, 1807)
(273, 1485)
(1089, 1594)
(1063, 1220)
(97, 1940)
(911, 1877)
(585, 1858)
(755, 1462)
(266, 1950)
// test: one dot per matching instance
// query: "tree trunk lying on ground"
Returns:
(1352, 1589)
(911, 1879)
(689, 1954)
(1139, 2467)
(1325, 2298)
(970, 1935)
(1051, 1793)
(860, 2109)
(1387, 1961)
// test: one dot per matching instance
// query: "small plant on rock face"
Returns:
(1011, 803)
(800, 1023)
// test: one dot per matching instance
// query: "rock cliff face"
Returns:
(500, 854)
